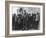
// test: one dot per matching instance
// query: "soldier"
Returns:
(34, 22)
(14, 22)
(20, 19)
(30, 21)
(25, 21)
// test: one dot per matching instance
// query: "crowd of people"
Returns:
(25, 21)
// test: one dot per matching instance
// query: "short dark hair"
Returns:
(20, 9)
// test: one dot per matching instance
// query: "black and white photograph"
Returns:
(26, 18)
